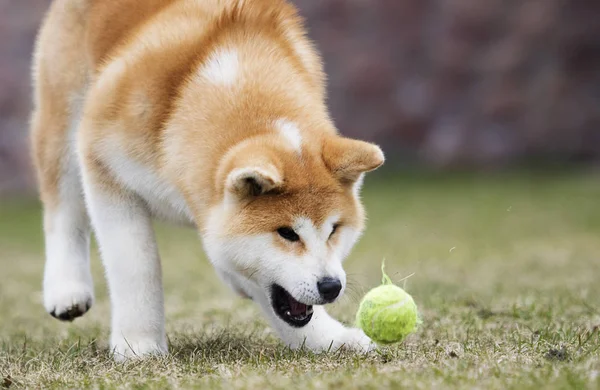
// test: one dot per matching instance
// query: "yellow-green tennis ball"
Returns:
(387, 314)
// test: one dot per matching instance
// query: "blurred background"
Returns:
(438, 83)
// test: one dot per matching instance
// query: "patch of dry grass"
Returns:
(507, 275)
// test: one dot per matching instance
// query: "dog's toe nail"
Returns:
(70, 314)
(65, 316)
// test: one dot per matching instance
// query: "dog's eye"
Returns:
(335, 228)
(288, 233)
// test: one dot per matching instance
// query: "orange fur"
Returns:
(162, 43)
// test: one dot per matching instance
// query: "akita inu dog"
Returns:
(209, 113)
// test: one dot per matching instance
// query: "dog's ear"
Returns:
(348, 159)
(253, 180)
(250, 169)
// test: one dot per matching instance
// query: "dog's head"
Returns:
(287, 217)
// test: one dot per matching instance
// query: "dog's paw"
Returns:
(67, 301)
(137, 347)
(356, 340)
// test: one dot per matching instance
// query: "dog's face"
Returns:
(285, 225)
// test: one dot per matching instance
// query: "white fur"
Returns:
(222, 67)
(124, 232)
(163, 199)
(68, 281)
(357, 186)
(123, 229)
(289, 130)
(251, 264)
(322, 333)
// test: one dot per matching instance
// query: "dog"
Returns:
(206, 113)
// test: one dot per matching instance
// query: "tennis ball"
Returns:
(387, 314)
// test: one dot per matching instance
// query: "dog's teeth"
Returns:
(288, 313)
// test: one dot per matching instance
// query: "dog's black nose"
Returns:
(329, 288)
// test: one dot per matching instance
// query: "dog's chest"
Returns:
(164, 201)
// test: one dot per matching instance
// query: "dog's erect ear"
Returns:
(347, 158)
(253, 180)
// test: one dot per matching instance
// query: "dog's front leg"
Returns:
(322, 333)
(124, 232)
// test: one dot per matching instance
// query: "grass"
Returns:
(506, 274)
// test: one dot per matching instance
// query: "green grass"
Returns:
(506, 274)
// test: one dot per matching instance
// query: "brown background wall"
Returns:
(440, 82)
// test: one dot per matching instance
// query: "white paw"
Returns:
(137, 347)
(68, 300)
(355, 339)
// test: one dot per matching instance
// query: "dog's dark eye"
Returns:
(335, 228)
(288, 233)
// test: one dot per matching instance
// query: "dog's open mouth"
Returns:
(288, 309)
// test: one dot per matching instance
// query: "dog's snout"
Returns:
(329, 288)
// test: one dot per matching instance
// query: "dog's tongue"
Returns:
(296, 308)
